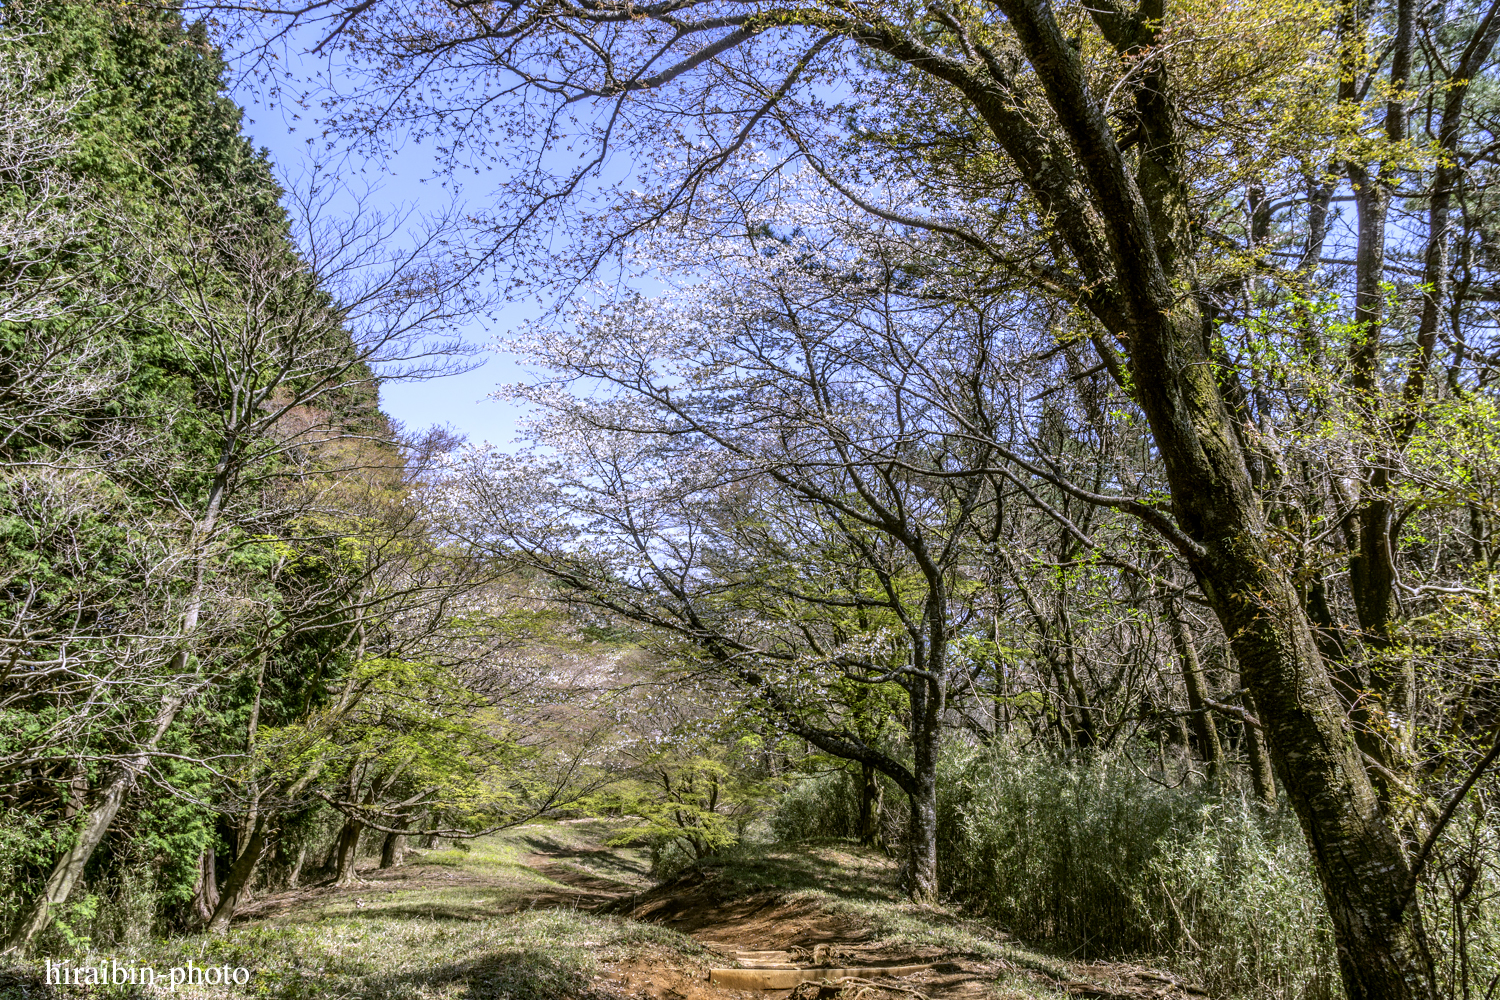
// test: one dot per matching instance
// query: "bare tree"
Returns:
(1149, 169)
(281, 352)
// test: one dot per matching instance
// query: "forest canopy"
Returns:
(956, 407)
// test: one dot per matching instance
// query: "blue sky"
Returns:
(405, 177)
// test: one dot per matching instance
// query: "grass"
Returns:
(480, 923)
(476, 939)
(579, 841)
(1096, 860)
(527, 955)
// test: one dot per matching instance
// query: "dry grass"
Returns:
(456, 924)
(501, 920)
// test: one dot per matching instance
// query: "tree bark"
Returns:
(429, 840)
(1144, 243)
(206, 892)
(238, 880)
(927, 712)
(295, 875)
(391, 846)
(348, 851)
(921, 857)
(1261, 777)
(1361, 866)
(870, 795)
(1204, 727)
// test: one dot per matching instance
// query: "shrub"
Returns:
(1094, 856)
(826, 806)
(816, 808)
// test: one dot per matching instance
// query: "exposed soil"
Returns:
(731, 923)
(788, 932)
(703, 906)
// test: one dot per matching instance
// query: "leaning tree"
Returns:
(1100, 153)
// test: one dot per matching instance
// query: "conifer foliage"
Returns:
(216, 565)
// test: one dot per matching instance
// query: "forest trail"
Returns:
(558, 912)
(778, 943)
(810, 923)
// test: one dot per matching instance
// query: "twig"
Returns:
(857, 981)
(1442, 823)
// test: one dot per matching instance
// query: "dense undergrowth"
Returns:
(1102, 859)
(1094, 858)
(1085, 859)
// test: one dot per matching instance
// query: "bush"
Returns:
(118, 901)
(820, 807)
(1094, 856)
(826, 807)
(27, 848)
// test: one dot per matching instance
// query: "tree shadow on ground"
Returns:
(825, 870)
(517, 974)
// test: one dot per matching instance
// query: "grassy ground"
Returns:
(480, 924)
(543, 912)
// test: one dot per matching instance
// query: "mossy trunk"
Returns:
(1261, 775)
(1356, 852)
(1204, 728)
(347, 851)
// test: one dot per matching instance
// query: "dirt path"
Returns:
(815, 913)
(777, 930)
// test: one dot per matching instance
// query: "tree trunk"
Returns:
(429, 840)
(1086, 734)
(238, 880)
(206, 892)
(1358, 857)
(927, 708)
(295, 875)
(922, 853)
(1180, 735)
(1260, 760)
(1357, 854)
(348, 851)
(391, 847)
(252, 810)
(71, 865)
(870, 794)
(1204, 727)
